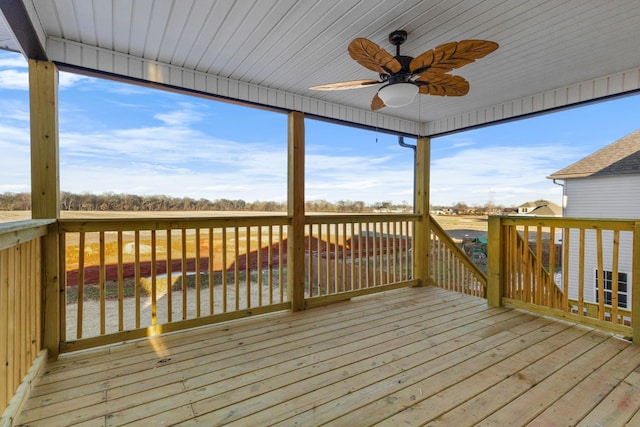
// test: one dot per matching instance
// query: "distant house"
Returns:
(605, 184)
(540, 208)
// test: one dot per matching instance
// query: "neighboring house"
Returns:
(540, 208)
(605, 184)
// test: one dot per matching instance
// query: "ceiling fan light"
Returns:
(398, 94)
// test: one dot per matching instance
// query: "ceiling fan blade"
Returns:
(377, 103)
(442, 84)
(451, 55)
(353, 84)
(370, 55)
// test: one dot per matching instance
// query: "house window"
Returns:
(608, 284)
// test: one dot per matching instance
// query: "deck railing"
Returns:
(584, 270)
(451, 268)
(20, 302)
(349, 255)
(128, 278)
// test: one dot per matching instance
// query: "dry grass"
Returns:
(448, 222)
(461, 226)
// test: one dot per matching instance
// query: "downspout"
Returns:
(413, 147)
(563, 196)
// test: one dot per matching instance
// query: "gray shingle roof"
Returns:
(620, 157)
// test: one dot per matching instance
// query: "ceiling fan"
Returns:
(404, 76)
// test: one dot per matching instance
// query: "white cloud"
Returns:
(67, 80)
(187, 114)
(507, 175)
(13, 79)
(12, 60)
(16, 79)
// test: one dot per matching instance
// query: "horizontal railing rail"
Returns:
(451, 268)
(585, 270)
(20, 301)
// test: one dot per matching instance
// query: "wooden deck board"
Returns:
(406, 357)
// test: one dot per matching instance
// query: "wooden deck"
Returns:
(413, 356)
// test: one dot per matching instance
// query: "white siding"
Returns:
(616, 196)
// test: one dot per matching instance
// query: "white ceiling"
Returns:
(553, 53)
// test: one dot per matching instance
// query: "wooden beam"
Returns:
(495, 258)
(422, 234)
(45, 176)
(45, 189)
(295, 211)
(16, 15)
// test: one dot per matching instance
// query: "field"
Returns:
(448, 222)
(459, 227)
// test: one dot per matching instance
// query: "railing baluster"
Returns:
(601, 278)
(328, 258)
(345, 282)
(184, 273)
(353, 256)
(197, 273)
(80, 284)
(102, 283)
(224, 269)
(248, 265)
(552, 268)
(319, 262)
(368, 255)
(169, 269)
(539, 294)
(120, 282)
(581, 273)
(270, 274)
(336, 260)
(281, 281)
(259, 265)
(154, 281)
(565, 265)
(615, 285)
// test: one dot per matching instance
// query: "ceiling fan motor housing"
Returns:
(398, 37)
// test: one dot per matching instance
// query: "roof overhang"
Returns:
(553, 54)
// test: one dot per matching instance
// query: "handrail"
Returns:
(14, 233)
(462, 255)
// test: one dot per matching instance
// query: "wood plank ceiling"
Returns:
(552, 53)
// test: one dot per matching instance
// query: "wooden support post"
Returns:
(494, 262)
(635, 285)
(295, 211)
(45, 189)
(422, 235)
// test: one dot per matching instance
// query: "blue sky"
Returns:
(128, 139)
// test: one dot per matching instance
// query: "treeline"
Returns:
(131, 202)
